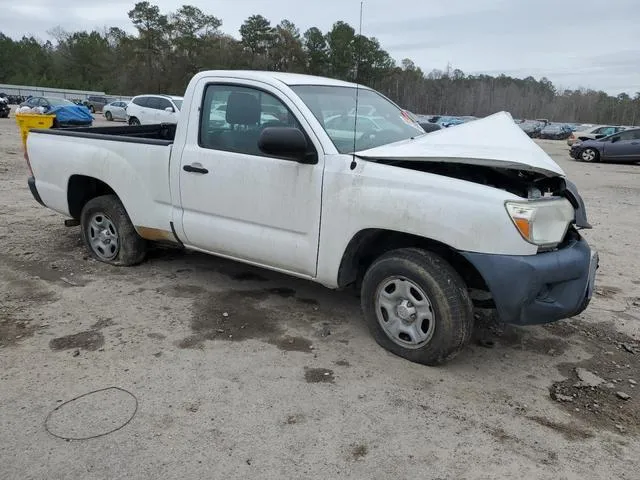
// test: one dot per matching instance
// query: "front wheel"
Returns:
(417, 306)
(109, 234)
(133, 121)
(108, 116)
(589, 155)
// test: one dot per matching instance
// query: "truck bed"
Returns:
(161, 134)
(132, 160)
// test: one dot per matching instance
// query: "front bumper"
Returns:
(34, 190)
(540, 288)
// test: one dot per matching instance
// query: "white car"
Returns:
(424, 224)
(154, 109)
(115, 110)
(593, 133)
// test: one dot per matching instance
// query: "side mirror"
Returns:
(286, 142)
(169, 109)
(600, 136)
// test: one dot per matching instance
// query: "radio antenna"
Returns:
(355, 122)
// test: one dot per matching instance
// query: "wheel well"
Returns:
(81, 189)
(369, 244)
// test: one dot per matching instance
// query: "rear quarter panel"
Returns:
(138, 173)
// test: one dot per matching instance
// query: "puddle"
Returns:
(318, 375)
(90, 340)
(46, 271)
(239, 315)
(293, 344)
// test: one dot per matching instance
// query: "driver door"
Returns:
(236, 200)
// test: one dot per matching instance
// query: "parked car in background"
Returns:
(622, 147)
(5, 109)
(592, 133)
(46, 102)
(531, 128)
(448, 121)
(555, 131)
(154, 109)
(115, 110)
(96, 103)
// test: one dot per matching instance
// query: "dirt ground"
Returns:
(218, 370)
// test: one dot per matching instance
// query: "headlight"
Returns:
(542, 222)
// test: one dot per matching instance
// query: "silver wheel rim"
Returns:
(405, 312)
(103, 236)
(588, 155)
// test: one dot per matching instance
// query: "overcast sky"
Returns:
(584, 43)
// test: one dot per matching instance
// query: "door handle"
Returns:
(192, 169)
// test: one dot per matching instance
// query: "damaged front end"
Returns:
(558, 280)
(525, 184)
(492, 151)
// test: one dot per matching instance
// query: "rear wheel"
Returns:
(108, 116)
(417, 306)
(109, 234)
(92, 109)
(589, 155)
(133, 121)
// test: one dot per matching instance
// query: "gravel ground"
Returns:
(226, 371)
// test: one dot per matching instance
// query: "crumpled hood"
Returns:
(493, 141)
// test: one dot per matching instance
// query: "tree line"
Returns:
(168, 48)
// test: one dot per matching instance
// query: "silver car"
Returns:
(115, 110)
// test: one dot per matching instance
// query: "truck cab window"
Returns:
(233, 117)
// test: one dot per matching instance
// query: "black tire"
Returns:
(92, 109)
(131, 248)
(108, 116)
(133, 121)
(447, 295)
(589, 155)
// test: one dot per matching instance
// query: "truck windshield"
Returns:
(379, 121)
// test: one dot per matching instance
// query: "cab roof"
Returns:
(289, 79)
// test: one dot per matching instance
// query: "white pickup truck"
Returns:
(424, 224)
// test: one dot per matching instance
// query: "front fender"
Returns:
(462, 215)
